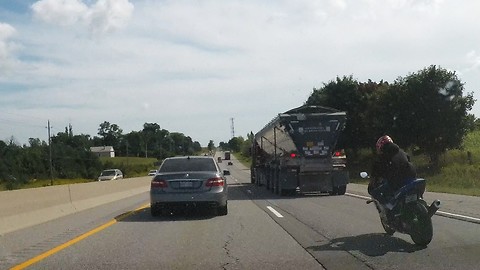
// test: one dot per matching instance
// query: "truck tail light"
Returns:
(215, 182)
(339, 153)
(293, 155)
(158, 183)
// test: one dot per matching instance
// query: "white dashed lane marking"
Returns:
(275, 212)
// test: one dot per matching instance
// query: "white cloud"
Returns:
(61, 12)
(101, 17)
(109, 15)
(473, 59)
(6, 45)
(6, 32)
(340, 4)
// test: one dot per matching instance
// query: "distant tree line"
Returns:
(425, 111)
(151, 141)
(71, 156)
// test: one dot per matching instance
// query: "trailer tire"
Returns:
(341, 190)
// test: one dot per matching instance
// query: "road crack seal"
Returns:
(226, 247)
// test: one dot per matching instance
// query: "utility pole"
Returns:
(126, 142)
(50, 150)
(146, 150)
(232, 128)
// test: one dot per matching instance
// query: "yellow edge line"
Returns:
(73, 241)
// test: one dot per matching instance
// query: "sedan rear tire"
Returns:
(222, 210)
(154, 211)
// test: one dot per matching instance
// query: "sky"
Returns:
(193, 66)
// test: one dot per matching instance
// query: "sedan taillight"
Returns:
(215, 182)
(158, 184)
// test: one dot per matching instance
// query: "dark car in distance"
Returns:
(189, 181)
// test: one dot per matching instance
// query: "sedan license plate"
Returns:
(186, 184)
(410, 198)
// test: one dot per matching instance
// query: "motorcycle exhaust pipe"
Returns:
(432, 209)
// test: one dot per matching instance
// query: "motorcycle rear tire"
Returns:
(421, 229)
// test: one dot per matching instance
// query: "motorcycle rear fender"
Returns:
(417, 185)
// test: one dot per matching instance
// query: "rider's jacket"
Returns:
(394, 166)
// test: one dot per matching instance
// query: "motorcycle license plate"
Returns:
(410, 198)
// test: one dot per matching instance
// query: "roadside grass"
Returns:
(47, 182)
(246, 161)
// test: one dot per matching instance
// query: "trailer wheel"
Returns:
(341, 190)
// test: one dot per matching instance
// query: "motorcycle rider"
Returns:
(391, 170)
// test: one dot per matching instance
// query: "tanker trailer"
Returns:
(296, 152)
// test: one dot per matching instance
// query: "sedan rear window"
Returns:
(108, 172)
(188, 165)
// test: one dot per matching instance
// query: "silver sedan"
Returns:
(190, 181)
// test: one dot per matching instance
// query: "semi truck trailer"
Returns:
(297, 152)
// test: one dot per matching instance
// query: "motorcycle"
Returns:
(407, 212)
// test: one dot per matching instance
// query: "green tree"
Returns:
(247, 145)
(211, 145)
(131, 144)
(150, 140)
(346, 94)
(235, 143)
(431, 111)
(111, 134)
(72, 157)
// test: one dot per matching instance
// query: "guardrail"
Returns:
(27, 207)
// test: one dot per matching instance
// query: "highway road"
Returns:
(261, 231)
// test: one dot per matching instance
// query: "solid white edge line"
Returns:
(457, 216)
(274, 211)
(440, 213)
